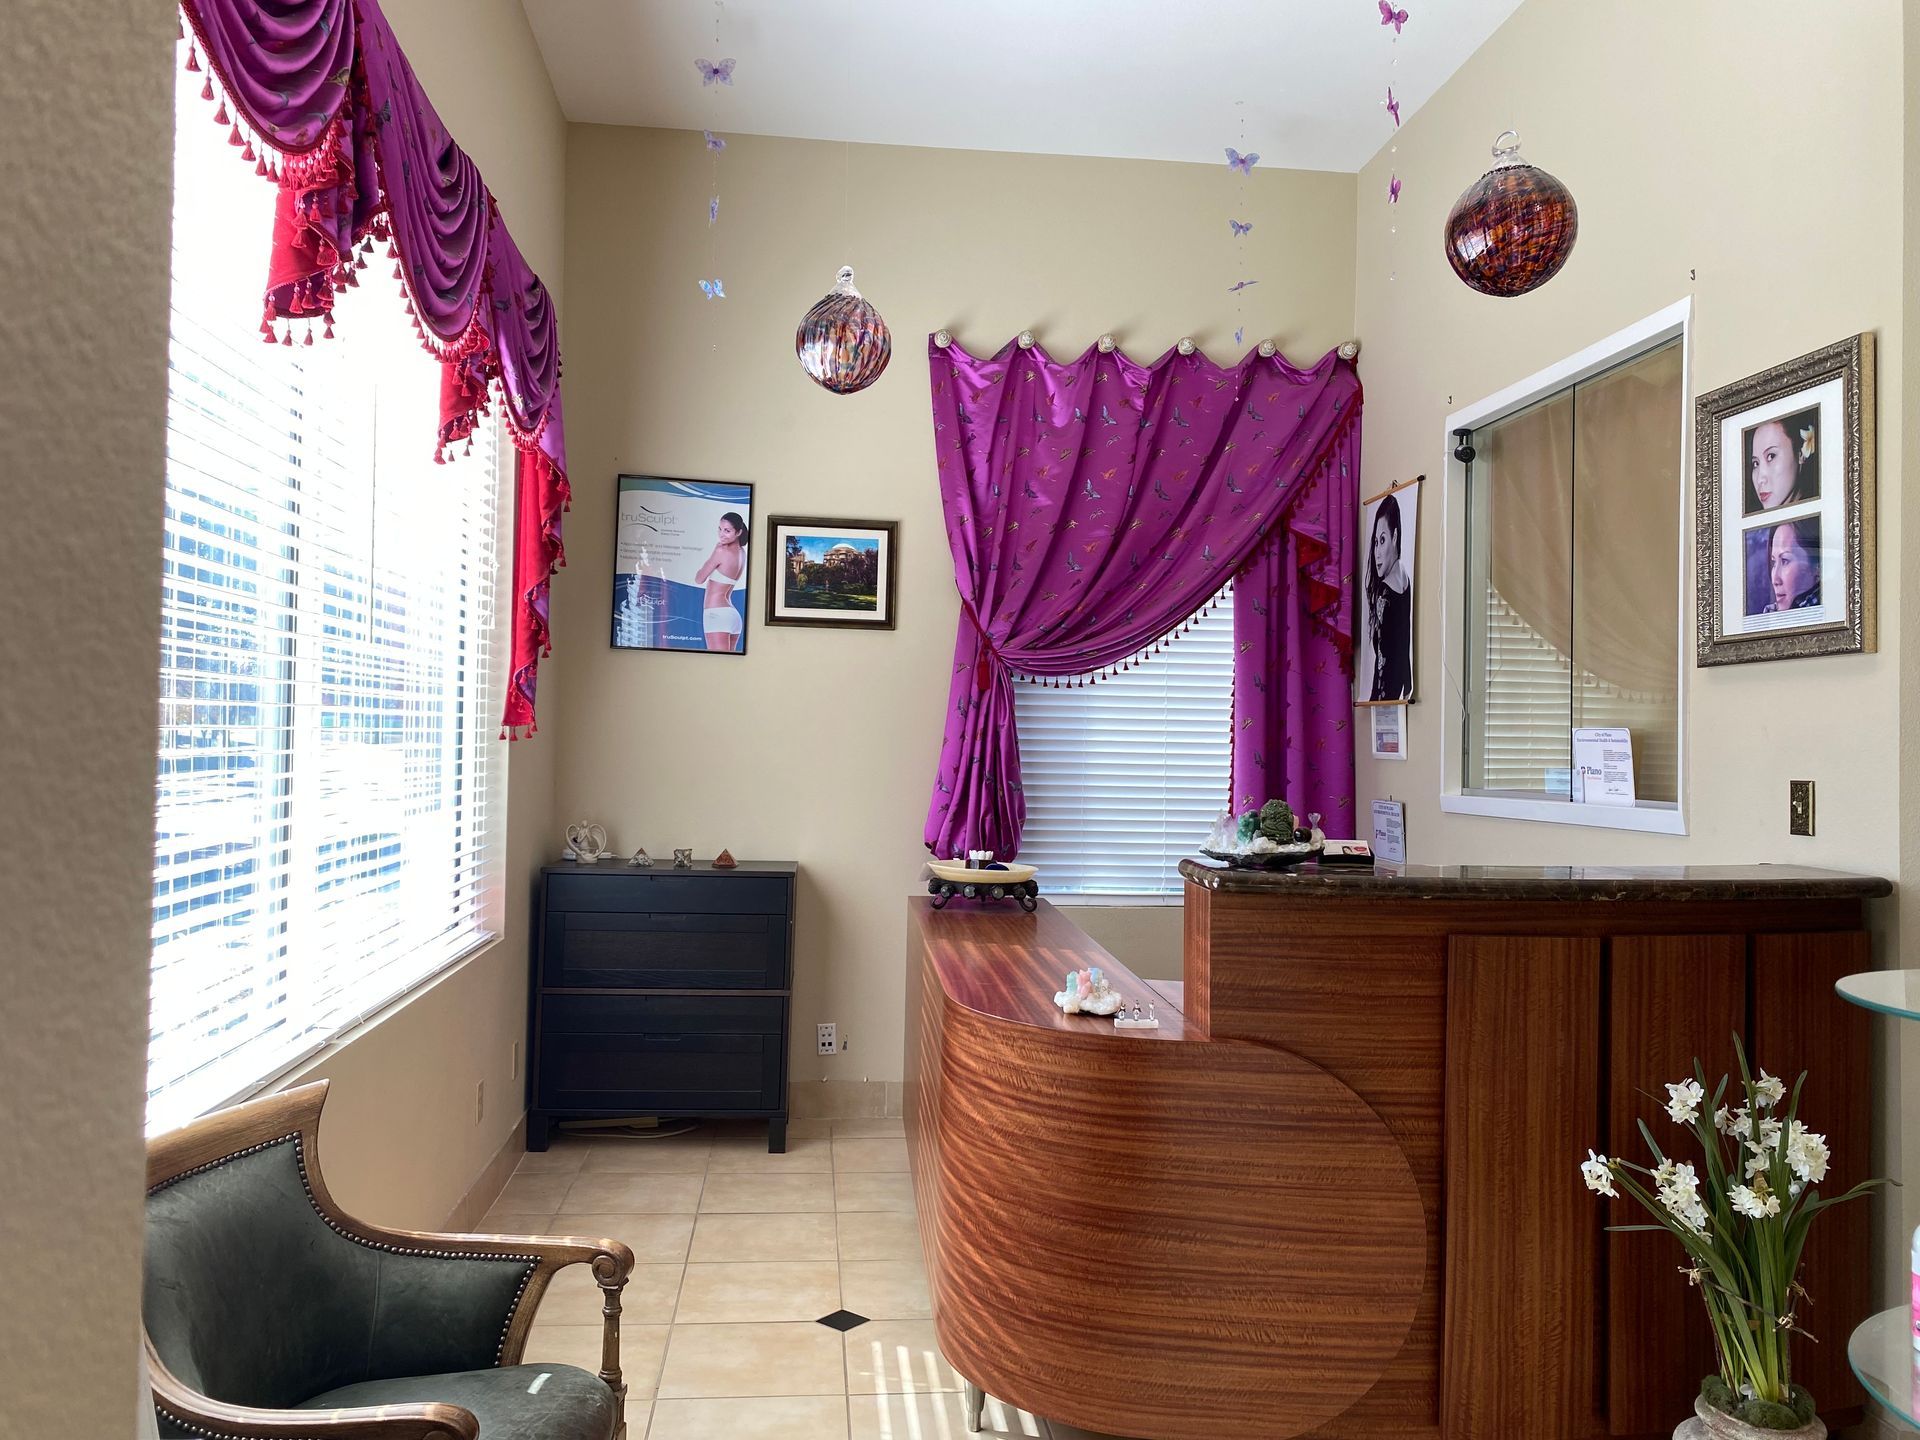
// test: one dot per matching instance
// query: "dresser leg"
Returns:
(976, 1402)
(539, 1130)
(777, 1135)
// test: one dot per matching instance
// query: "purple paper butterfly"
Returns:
(713, 210)
(714, 289)
(714, 142)
(1240, 227)
(1238, 336)
(1391, 16)
(1243, 163)
(1393, 190)
(711, 71)
(1235, 289)
(1393, 107)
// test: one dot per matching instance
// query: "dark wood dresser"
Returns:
(662, 992)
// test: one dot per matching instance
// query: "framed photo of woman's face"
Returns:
(1783, 510)
(680, 564)
(1389, 526)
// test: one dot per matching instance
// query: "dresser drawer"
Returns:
(661, 1055)
(621, 888)
(632, 951)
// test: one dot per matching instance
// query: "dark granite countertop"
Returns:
(1543, 882)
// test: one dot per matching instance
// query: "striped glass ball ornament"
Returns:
(1514, 227)
(842, 342)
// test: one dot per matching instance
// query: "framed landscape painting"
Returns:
(832, 572)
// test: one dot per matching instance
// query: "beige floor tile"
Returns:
(507, 1222)
(784, 1417)
(857, 1191)
(871, 1154)
(766, 1194)
(935, 1417)
(868, 1129)
(717, 1361)
(654, 1239)
(894, 1357)
(809, 1130)
(885, 1289)
(878, 1235)
(736, 1294)
(638, 1413)
(721, 1238)
(533, 1194)
(557, 1160)
(748, 1155)
(634, 1194)
(573, 1297)
(641, 1349)
(682, 1155)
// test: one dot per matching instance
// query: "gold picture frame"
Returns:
(1784, 510)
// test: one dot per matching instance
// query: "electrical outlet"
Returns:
(829, 1038)
(1800, 807)
(479, 1102)
(513, 1061)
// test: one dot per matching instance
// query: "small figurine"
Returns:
(725, 861)
(1087, 992)
(682, 859)
(641, 860)
(586, 843)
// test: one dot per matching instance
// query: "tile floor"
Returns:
(738, 1255)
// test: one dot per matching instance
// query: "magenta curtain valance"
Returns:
(323, 90)
(1094, 505)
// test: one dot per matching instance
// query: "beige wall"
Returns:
(83, 346)
(1688, 160)
(819, 745)
(401, 1141)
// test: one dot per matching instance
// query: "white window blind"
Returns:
(330, 787)
(1124, 778)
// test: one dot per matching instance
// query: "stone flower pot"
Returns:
(1711, 1424)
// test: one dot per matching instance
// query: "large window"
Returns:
(1569, 587)
(1125, 777)
(329, 786)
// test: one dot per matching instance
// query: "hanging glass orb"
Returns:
(843, 344)
(1514, 227)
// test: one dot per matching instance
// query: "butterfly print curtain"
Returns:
(341, 124)
(1093, 506)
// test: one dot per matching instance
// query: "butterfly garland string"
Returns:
(1390, 15)
(714, 73)
(1238, 230)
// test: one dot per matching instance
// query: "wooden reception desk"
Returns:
(1337, 1193)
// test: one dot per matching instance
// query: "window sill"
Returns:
(1105, 898)
(1649, 816)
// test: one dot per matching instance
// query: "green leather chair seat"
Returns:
(570, 1404)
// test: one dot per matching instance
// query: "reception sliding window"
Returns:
(330, 788)
(1572, 583)
(1124, 778)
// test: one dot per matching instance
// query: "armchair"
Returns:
(270, 1313)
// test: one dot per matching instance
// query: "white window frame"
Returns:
(1650, 816)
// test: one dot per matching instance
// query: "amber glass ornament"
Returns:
(842, 342)
(1514, 228)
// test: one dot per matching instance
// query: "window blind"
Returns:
(328, 782)
(1124, 778)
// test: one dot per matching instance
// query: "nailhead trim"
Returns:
(300, 1163)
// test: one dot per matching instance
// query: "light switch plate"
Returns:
(1800, 807)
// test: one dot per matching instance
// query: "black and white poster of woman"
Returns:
(1389, 526)
(680, 565)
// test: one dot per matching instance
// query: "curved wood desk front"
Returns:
(1148, 1233)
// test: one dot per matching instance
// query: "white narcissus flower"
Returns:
(1680, 1196)
(1597, 1171)
(1723, 1120)
(1756, 1201)
(1769, 1135)
(1663, 1173)
(1738, 1123)
(1770, 1090)
(1807, 1154)
(1758, 1161)
(1683, 1101)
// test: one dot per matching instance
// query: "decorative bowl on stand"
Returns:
(1012, 881)
(1283, 857)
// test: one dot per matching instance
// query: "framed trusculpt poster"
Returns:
(680, 565)
(1389, 525)
(1783, 510)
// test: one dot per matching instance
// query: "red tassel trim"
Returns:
(193, 64)
(220, 116)
(206, 90)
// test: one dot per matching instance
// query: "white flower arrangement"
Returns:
(1743, 1224)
